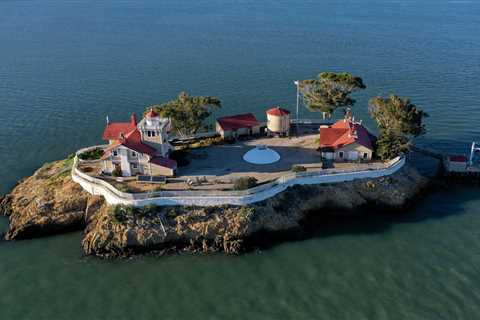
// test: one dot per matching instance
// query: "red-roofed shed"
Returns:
(238, 125)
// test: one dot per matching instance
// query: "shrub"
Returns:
(244, 183)
(122, 213)
(94, 154)
(297, 168)
(117, 172)
(246, 212)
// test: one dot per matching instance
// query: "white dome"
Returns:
(261, 155)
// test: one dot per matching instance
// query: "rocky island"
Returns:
(228, 190)
(49, 202)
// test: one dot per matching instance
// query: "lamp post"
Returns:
(297, 83)
(472, 153)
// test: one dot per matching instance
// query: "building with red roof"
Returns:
(346, 140)
(113, 130)
(277, 111)
(139, 148)
(232, 127)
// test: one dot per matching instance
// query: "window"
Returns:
(134, 166)
(340, 154)
(115, 153)
(365, 156)
(151, 133)
(134, 154)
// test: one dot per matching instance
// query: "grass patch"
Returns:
(247, 212)
(122, 213)
(94, 154)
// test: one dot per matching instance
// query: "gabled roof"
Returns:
(277, 111)
(151, 114)
(345, 132)
(113, 130)
(164, 162)
(238, 121)
(132, 141)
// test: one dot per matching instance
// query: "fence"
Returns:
(217, 197)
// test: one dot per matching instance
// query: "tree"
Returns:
(399, 121)
(188, 113)
(330, 91)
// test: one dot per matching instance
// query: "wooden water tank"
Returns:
(278, 120)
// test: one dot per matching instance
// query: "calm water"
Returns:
(65, 65)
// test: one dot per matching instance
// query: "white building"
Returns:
(141, 148)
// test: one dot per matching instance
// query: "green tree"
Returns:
(330, 91)
(399, 121)
(188, 113)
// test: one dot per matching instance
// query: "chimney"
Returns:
(108, 120)
(133, 119)
(122, 136)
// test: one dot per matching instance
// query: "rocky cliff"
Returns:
(123, 230)
(47, 202)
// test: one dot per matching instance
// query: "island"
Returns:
(171, 183)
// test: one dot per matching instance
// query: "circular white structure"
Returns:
(261, 155)
(278, 120)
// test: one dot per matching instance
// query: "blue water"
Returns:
(65, 65)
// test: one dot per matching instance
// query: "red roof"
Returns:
(345, 132)
(457, 158)
(133, 141)
(151, 114)
(113, 130)
(164, 162)
(277, 111)
(238, 121)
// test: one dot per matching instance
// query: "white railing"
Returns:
(216, 197)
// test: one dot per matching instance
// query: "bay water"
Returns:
(66, 65)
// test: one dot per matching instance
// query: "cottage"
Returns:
(232, 127)
(278, 121)
(139, 148)
(346, 140)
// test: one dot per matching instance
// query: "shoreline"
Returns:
(62, 206)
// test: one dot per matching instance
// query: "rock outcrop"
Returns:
(48, 202)
(123, 231)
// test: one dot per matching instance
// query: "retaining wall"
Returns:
(214, 198)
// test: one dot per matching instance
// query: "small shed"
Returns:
(278, 121)
(232, 127)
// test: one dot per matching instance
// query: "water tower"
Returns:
(278, 121)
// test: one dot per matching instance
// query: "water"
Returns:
(65, 65)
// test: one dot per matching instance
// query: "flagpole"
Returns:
(297, 83)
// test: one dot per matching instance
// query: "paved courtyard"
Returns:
(217, 166)
(224, 159)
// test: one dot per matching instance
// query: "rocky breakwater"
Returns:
(48, 202)
(120, 230)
